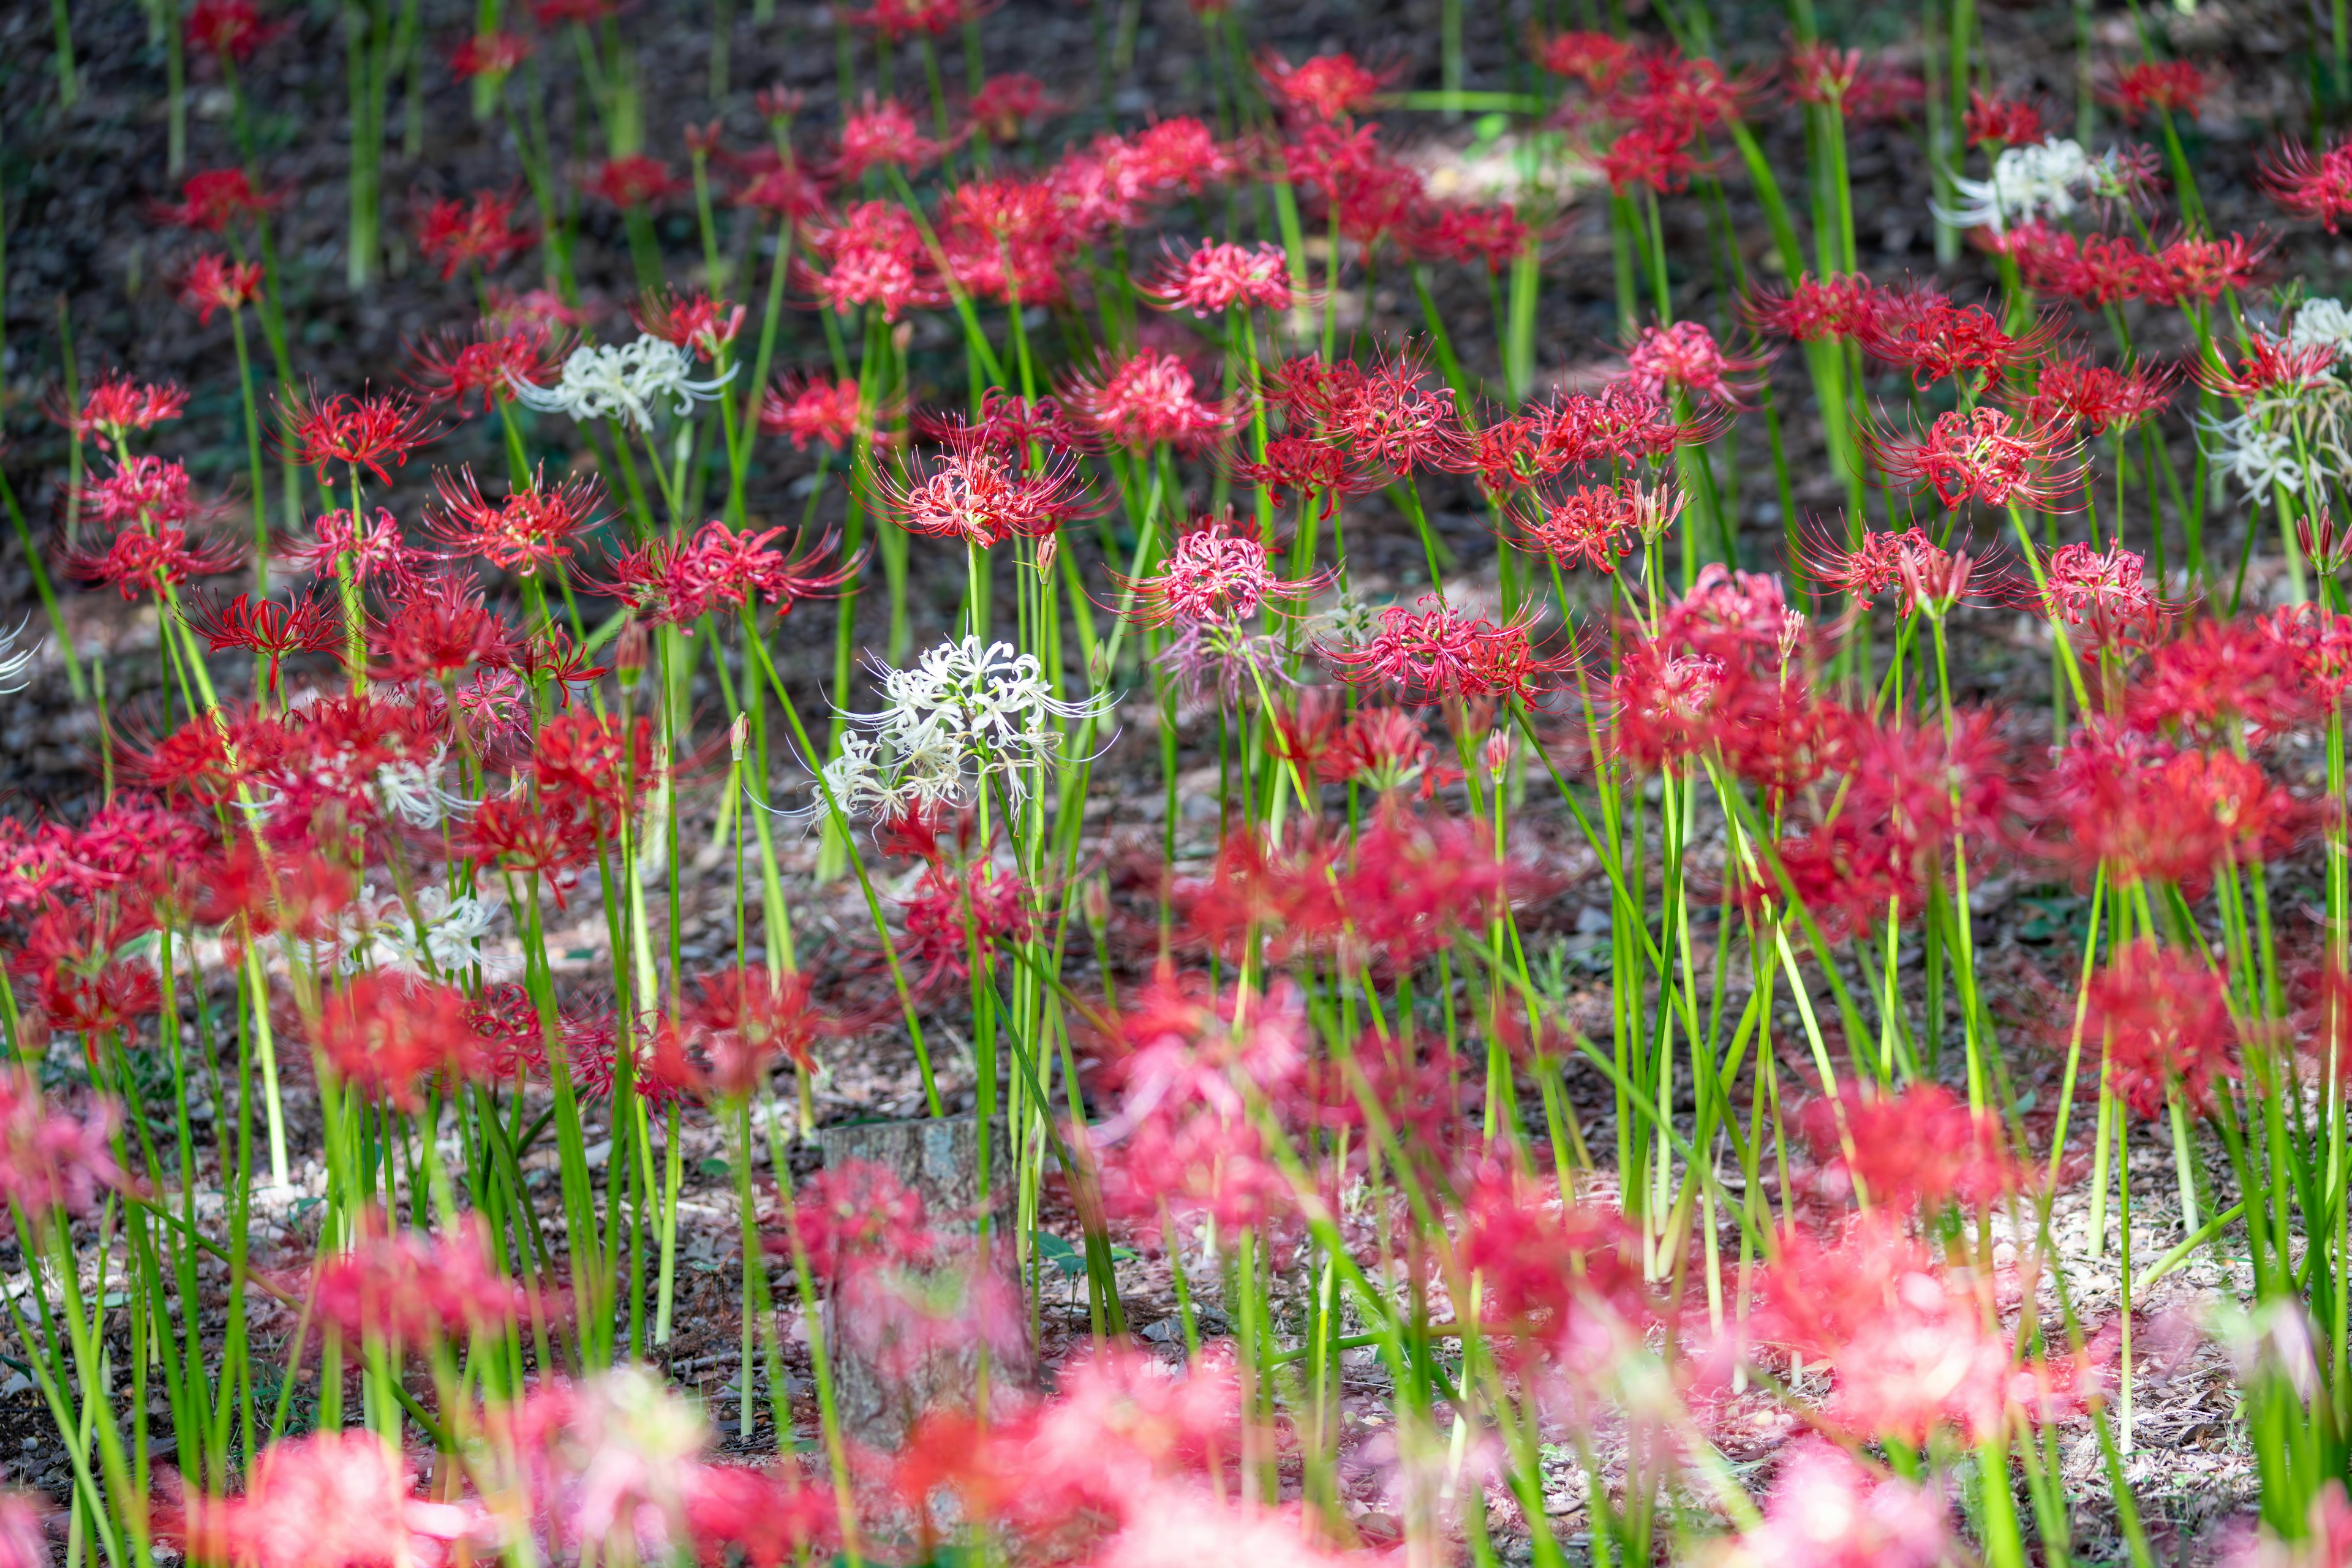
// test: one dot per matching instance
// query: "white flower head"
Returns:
(962, 714)
(15, 661)
(2261, 459)
(627, 380)
(2043, 181)
(440, 934)
(2321, 324)
(411, 791)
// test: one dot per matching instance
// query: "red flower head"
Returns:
(883, 136)
(811, 408)
(1437, 654)
(673, 584)
(898, 19)
(982, 499)
(492, 56)
(1936, 339)
(1596, 525)
(374, 553)
(751, 1017)
(2270, 365)
(364, 432)
(1395, 418)
(1006, 238)
(439, 626)
(1657, 158)
(2107, 591)
(1216, 572)
(214, 199)
(333, 1497)
(1367, 190)
(1564, 1276)
(1329, 87)
(697, 321)
(780, 189)
(1494, 236)
(1827, 1510)
(2097, 398)
(51, 1159)
(595, 763)
(268, 630)
(1923, 570)
(2159, 87)
(230, 27)
(475, 231)
(414, 1288)
(143, 561)
(950, 910)
(1686, 356)
(1985, 455)
(144, 490)
(388, 1033)
(1920, 1148)
(1839, 306)
(1143, 401)
(115, 405)
(1599, 60)
(530, 528)
(1006, 103)
(853, 1216)
(1822, 73)
(633, 182)
(1997, 122)
(212, 282)
(2164, 1017)
(2217, 675)
(875, 256)
(1215, 276)
(530, 839)
(2150, 811)
(454, 368)
(2310, 186)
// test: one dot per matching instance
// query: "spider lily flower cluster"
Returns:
(1503, 1007)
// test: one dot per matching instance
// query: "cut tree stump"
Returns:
(902, 1346)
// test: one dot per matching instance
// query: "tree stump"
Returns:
(902, 1341)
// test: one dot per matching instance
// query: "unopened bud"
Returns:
(629, 648)
(1499, 746)
(1047, 548)
(738, 734)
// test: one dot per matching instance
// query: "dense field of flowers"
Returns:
(1455, 879)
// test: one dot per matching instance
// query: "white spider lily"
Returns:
(441, 934)
(2260, 459)
(413, 791)
(2027, 182)
(2322, 322)
(630, 380)
(962, 714)
(15, 661)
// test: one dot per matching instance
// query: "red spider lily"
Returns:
(1394, 418)
(527, 528)
(2164, 1017)
(1494, 236)
(2321, 645)
(1006, 238)
(1384, 749)
(1306, 465)
(1821, 73)
(1984, 455)
(141, 562)
(233, 28)
(2099, 270)
(1839, 306)
(2270, 365)
(1175, 157)
(2218, 677)
(882, 134)
(895, 20)
(697, 321)
(374, 553)
(1618, 427)
(1417, 882)
(1009, 426)
(493, 55)
(1434, 653)
(388, 1033)
(1217, 571)
(1596, 525)
(362, 432)
(530, 838)
(1997, 122)
(213, 200)
(853, 1216)
(596, 763)
(143, 490)
(875, 256)
(268, 630)
(332, 1497)
(51, 1159)
(1828, 1512)
(1329, 87)
(983, 501)
(780, 189)
(2107, 592)
(411, 1288)
(1369, 192)
(2165, 87)
(550, 656)
(1219, 276)
(763, 1519)
(2310, 186)
(578, 13)
(811, 408)
(1686, 356)
(1884, 93)
(632, 182)
(1921, 1148)
(1939, 340)
(474, 231)
(115, 405)
(672, 583)
(2150, 811)
(751, 1015)
(1658, 159)
(1143, 401)
(1005, 103)
(1599, 60)
(439, 626)
(954, 913)
(537, 309)
(452, 368)
(1715, 679)
(2098, 397)
(214, 282)
(1564, 1276)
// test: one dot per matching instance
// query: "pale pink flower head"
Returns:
(1828, 1512)
(883, 134)
(50, 1159)
(334, 1500)
(616, 1459)
(1218, 571)
(1186, 1527)
(2326, 1540)
(414, 1288)
(1216, 277)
